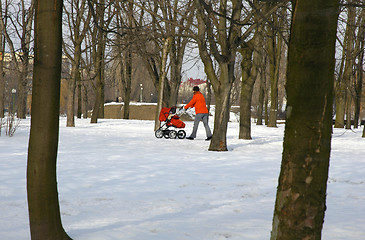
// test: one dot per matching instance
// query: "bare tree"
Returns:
(78, 24)
(262, 107)
(102, 15)
(219, 38)
(275, 52)
(124, 47)
(2, 55)
(43, 203)
(359, 70)
(220, 33)
(21, 21)
(163, 71)
(345, 77)
(301, 193)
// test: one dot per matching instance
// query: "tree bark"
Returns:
(360, 49)
(71, 87)
(43, 203)
(79, 97)
(248, 80)
(163, 73)
(343, 85)
(221, 117)
(348, 111)
(84, 102)
(273, 83)
(78, 27)
(127, 82)
(262, 92)
(98, 110)
(2, 73)
(275, 48)
(23, 67)
(301, 193)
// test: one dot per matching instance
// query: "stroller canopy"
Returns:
(174, 121)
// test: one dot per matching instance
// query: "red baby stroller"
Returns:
(171, 119)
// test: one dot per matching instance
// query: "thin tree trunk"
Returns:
(84, 102)
(71, 87)
(345, 80)
(260, 109)
(301, 193)
(2, 51)
(262, 89)
(209, 94)
(266, 97)
(360, 49)
(163, 73)
(348, 111)
(98, 100)
(22, 91)
(98, 110)
(79, 97)
(2, 90)
(275, 48)
(43, 203)
(127, 82)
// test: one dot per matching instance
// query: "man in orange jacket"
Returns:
(201, 111)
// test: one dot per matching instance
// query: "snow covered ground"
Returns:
(117, 181)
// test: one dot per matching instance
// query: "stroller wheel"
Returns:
(158, 133)
(172, 134)
(181, 134)
(166, 134)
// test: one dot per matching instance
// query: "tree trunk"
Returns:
(360, 49)
(209, 94)
(262, 88)
(71, 87)
(2, 73)
(175, 82)
(177, 56)
(348, 111)
(79, 97)
(163, 73)
(301, 193)
(222, 109)
(84, 102)
(266, 104)
(22, 91)
(98, 100)
(98, 110)
(2, 83)
(127, 82)
(43, 203)
(274, 49)
(342, 89)
(248, 80)
(260, 109)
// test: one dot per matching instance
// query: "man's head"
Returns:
(196, 89)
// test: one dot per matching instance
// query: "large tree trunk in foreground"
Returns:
(43, 204)
(301, 194)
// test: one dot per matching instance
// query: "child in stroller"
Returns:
(171, 119)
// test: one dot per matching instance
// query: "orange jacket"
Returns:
(198, 101)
